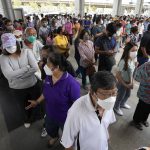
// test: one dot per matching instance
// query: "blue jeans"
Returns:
(52, 127)
(122, 97)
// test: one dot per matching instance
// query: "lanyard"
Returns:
(98, 115)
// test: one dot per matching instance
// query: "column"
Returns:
(79, 7)
(117, 5)
(139, 7)
(8, 9)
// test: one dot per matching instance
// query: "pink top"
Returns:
(86, 51)
(68, 27)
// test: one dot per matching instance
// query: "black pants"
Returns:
(142, 112)
(83, 72)
(22, 96)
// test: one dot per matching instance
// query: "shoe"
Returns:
(118, 112)
(44, 133)
(79, 76)
(137, 125)
(126, 106)
(27, 125)
(146, 124)
(52, 142)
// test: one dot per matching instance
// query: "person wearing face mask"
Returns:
(128, 28)
(77, 25)
(9, 28)
(87, 52)
(61, 42)
(144, 48)
(60, 90)
(18, 35)
(44, 30)
(124, 75)
(141, 114)
(88, 119)
(87, 23)
(105, 47)
(19, 67)
(98, 29)
(133, 37)
(68, 29)
(30, 42)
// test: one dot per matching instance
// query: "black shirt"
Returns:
(144, 43)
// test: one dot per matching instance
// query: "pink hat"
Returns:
(8, 40)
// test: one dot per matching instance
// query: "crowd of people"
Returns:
(34, 60)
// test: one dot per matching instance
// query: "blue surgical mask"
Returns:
(31, 39)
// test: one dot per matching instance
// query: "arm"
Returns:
(144, 52)
(11, 74)
(74, 92)
(71, 148)
(119, 76)
(71, 129)
(98, 51)
(120, 79)
(32, 63)
(98, 34)
(141, 73)
(81, 52)
(34, 103)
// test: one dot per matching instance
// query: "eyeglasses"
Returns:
(109, 94)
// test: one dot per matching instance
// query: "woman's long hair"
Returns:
(125, 55)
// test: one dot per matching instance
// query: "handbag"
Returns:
(90, 70)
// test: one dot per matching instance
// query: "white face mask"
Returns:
(19, 39)
(108, 103)
(133, 55)
(48, 70)
(11, 49)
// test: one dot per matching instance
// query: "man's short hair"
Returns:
(27, 30)
(7, 21)
(103, 80)
(111, 27)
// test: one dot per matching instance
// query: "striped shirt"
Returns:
(142, 75)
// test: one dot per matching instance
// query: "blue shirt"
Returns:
(87, 24)
(105, 43)
(60, 96)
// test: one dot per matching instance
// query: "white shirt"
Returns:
(83, 119)
(44, 31)
(141, 28)
(37, 46)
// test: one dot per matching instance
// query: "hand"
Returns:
(26, 68)
(88, 62)
(110, 52)
(40, 64)
(33, 104)
(129, 86)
